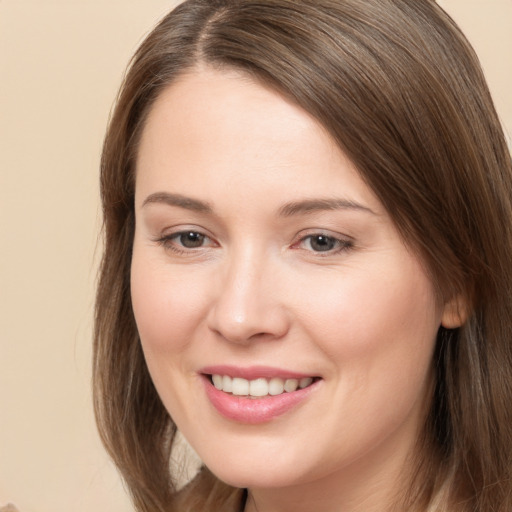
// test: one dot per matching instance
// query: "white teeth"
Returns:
(259, 387)
(217, 381)
(291, 385)
(276, 386)
(240, 387)
(305, 382)
(227, 384)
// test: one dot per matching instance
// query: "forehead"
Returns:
(213, 130)
(230, 109)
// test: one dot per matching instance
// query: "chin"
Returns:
(254, 478)
(257, 469)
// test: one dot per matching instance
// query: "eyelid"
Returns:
(169, 235)
(344, 242)
(168, 239)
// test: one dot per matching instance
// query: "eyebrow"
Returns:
(178, 200)
(316, 205)
(290, 209)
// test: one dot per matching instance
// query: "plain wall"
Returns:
(60, 65)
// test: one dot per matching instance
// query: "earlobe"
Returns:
(455, 312)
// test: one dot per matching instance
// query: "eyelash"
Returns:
(169, 241)
(338, 244)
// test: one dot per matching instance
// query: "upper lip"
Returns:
(253, 372)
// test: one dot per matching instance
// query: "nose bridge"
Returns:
(246, 303)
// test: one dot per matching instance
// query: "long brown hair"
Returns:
(400, 89)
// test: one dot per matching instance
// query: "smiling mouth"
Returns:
(259, 388)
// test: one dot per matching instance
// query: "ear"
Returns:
(455, 312)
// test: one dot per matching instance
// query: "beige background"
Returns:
(60, 65)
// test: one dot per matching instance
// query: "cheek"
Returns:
(168, 306)
(379, 335)
(377, 327)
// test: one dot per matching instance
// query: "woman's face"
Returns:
(262, 261)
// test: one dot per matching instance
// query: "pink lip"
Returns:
(254, 410)
(252, 372)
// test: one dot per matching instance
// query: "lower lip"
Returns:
(255, 410)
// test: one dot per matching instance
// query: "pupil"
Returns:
(191, 240)
(322, 243)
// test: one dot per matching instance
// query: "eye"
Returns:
(189, 239)
(322, 243)
(185, 241)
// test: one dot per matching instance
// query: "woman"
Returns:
(307, 263)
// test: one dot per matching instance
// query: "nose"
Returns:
(247, 303)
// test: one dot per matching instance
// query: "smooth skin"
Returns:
(258, 243)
